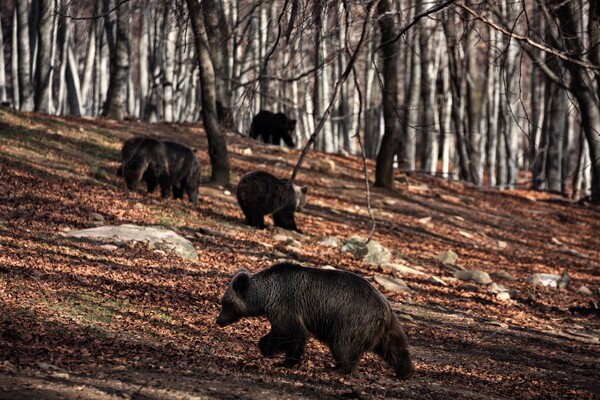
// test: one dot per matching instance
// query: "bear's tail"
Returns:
(392, 347)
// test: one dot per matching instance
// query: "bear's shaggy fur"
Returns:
(166, 163)
(127, 151)
(260, 193)
(339, 308)
(273, 127)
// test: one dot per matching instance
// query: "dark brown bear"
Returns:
(339, 308)
(166, 163)
(127, 150)
(260, 193)
(273, 127)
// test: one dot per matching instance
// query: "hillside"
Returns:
(79, 320)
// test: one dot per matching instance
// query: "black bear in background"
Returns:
(184, 170)
(260, 193)
(339, 308)
(127, 151)
(273, 127)
(166, 163)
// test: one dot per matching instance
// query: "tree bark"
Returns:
(43, 70)
(217, 147)
(384, 173)
(116, 97)
(24, 50)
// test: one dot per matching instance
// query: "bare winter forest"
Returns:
(462, 136)
(500, 94)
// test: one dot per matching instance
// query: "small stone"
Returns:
(247, 151)
(448, 257)
(424, 221)
(503, 275)
(109, 247)
(477, 276)
(118, 368)
(280, 238)
(59, 375)
(292, 243)
(403, 269)
(327, 267)
(331, 241)
(46, 367)
(495, 288)
(501, 325)
(418, 188)
(97, 217)
(502, 244)
(392, 284)
(436, 281)
(466, 234)
(227, 193)
(550, 280)
(389, 202)
(584, 290)
(503, 296)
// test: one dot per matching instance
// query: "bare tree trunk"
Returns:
(88, 69)
(408, 134)
(14, 62)
(217, 147)
(3, 94)
(473, 136)
(43, 71)
(119, 67)
(321, 76)
(446, 123)
(384, 173)
(169, 32)
(24, 65)
(372, 107)
(428, 128)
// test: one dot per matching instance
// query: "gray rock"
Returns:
(448, 257)
(584, 290)
(155, 237)
(97, 217)
(502, 244)
(371, 253)
(392, 284)
(503, 275)
(331, 241)
(476, 276)
(109, 247)
(550, 280)
(503, 296)
(436, 281)
(292, 243)
(403, 269)
(280, 238)
(390, 202)
(495, 288)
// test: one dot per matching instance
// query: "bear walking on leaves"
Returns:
(260, 193)
(339, 308)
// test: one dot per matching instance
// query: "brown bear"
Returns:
(166, 163)
(338, 308)
(273, 127)
(260, 193)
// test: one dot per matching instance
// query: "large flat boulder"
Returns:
(156, 237)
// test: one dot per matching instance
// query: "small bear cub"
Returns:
(260, 193)
(338, 308)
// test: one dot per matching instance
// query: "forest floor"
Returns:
(78, 320)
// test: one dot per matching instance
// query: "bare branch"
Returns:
(74, 18)
(336, 89)
(528, 40)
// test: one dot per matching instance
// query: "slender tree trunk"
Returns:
(88, 70)
(3, 94)
(24, 50)
(217, 147)
(427, 128)
(473, 136)
(43, 75)
(119, 67)
(169, 32)
(14, 61)
(384, 173)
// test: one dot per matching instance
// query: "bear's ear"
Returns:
(241, 282)
(304, 189)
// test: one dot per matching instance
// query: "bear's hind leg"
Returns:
(165, 185)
